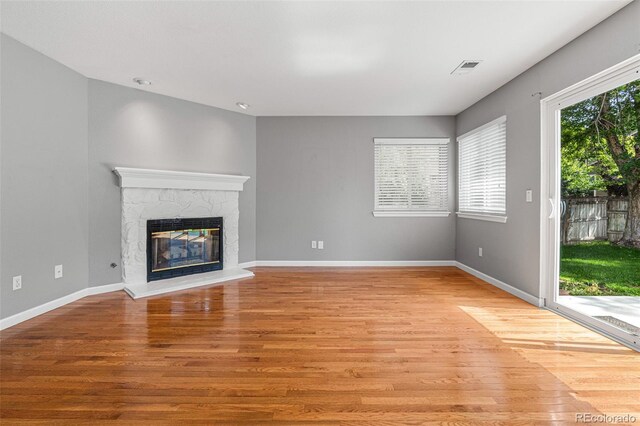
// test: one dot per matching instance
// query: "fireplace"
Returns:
(177, 247)
(148, 195)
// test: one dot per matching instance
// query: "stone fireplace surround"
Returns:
(164, 194)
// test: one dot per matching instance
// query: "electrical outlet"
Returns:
(314, 244)
(17, 282)
(57, 272)
(480, 251)
(320, 245)
(529, 196)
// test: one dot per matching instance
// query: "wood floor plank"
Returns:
(313, 346)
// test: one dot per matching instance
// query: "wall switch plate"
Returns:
(529, 196)
(57, 272)
(480, 251)
(320, 245)
(17, 282)
(314, 244)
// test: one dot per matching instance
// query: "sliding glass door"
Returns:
(590, 226)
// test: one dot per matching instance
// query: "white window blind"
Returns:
(482, 169)
(411, 176)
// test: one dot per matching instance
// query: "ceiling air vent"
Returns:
(465, 67)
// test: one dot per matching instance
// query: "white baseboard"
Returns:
(57, 303)
(244, 265)
(501, 285)
(343, 263)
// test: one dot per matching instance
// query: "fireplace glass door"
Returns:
(186, 247)
(177, 247)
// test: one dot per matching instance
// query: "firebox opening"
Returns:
(177, 247)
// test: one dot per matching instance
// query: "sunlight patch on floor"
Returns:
(564, 348)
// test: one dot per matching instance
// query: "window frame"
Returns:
(381, 212)
(486, 216)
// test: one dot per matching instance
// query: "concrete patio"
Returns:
(625, 308)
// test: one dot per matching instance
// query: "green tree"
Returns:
(601, 149)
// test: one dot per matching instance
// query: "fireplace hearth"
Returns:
(183, 246)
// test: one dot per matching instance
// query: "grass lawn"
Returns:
(599, 269)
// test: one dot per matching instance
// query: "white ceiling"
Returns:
(306, 58)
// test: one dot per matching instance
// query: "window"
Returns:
(411, 177)
(482, 176)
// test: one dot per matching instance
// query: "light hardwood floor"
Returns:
(314, 345)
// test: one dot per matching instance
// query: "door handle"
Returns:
(553, 208)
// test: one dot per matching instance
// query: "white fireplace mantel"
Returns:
(168, 179)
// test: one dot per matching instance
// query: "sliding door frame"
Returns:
(550, 177)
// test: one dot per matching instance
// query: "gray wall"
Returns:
(133, 128)
(315, 182)
(511, 250)
(44, 178)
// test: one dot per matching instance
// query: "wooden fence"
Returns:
(596, 218)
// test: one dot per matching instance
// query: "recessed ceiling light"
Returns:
(142, 81)
(243, 105)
